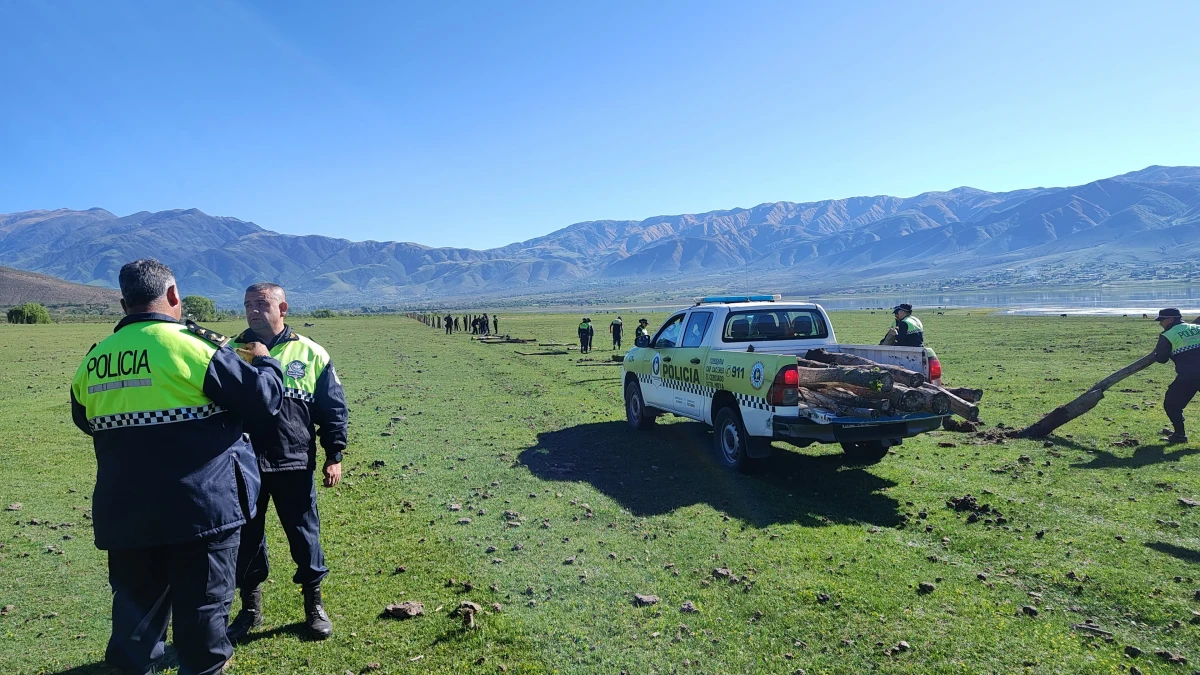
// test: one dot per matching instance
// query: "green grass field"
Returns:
(606, 512)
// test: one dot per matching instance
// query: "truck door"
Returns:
(661, 355)
(687, 369)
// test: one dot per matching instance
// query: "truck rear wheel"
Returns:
(866, 452)
(636, 412)
(731, 443)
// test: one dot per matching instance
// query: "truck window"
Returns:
(774, 324)
(697, 327)
(668, 335)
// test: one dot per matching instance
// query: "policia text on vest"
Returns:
(164, 404)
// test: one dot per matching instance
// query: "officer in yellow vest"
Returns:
(164, 403)
(1179, 342)
(908, 331)
(314, 406)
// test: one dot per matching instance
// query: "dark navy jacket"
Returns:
(171, 483)
(288, 442)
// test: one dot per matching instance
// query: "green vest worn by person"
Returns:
(1183, 337)
(164, 404)
(313, 398)
(913, 334)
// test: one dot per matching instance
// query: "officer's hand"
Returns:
(250, 350)
(333, 474)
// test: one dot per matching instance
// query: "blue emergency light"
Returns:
(738, 298)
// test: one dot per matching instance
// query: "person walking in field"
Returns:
(908, 331)
(314, 407)
(165, 404)
(586, 333)
(615, 328)
(1179, 342)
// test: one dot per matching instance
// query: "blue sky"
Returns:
(481, 123)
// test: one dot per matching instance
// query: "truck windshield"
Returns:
(774, 324)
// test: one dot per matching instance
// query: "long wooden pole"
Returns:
(1065, 413)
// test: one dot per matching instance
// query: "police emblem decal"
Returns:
(295, 370)
(656, 364)
(756, 375)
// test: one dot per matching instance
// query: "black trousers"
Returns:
(192, 581)
(1179, 394)
(295, 497)
(616, 340)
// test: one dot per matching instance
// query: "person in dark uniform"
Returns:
(495, 324)
(449, 321)
(1179, 342)
(908, 331)
(615, 328)
(641, 335)
(165, 403)
(314, 406)
(586, 333)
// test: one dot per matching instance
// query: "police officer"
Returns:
(908, 331)
(641, 335)
(449, 321)
(616, 327)
(164, 403)
(314, 406)
(1179, 342)
(586, 333)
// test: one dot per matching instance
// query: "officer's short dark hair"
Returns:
(143, 281)
(274, 289)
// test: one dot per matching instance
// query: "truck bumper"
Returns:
(802, 430)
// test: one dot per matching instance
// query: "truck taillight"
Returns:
(784, 390)
(935, 369)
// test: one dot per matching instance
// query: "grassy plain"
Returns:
(482, 427)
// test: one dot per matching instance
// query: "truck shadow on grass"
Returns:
(671, 467)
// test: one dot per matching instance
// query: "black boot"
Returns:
(1176, 437)
(249, 617)
(319, 625)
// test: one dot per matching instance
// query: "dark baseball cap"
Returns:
(905, 307)
(1168, 313)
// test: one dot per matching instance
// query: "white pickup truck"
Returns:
(730, 362)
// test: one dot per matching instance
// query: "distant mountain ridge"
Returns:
(1147, 215)
(18, 286)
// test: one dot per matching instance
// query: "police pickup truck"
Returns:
(730, 362)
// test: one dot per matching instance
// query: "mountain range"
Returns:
(1143, 217)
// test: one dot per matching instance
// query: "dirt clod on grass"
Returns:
(688, 607)
(644, 600)
(1132, 652)
(926, 587)
(960, 426)
(1170, 657)
(405, 610)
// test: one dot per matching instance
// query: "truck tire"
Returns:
(866, 452)
(636, 412)
(731, 443)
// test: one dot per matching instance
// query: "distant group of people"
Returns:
(477, 324)
(616, 330)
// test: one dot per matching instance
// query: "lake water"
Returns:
(1118, 300)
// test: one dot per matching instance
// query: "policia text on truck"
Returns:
(176, 479)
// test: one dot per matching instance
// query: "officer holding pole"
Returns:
(164, 403)
(314, 407)
(1179, 342)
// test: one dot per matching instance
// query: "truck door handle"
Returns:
(666, 359)
(696, 361)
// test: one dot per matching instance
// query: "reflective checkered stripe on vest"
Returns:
(914, 324)
(147, 373)
(303, 362)
(1184, 337)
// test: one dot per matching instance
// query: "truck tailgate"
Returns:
(912, 358)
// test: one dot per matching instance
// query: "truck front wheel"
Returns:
(730, 440)
(866, 452)
(636, 413)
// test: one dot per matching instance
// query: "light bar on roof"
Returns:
(738, 298)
